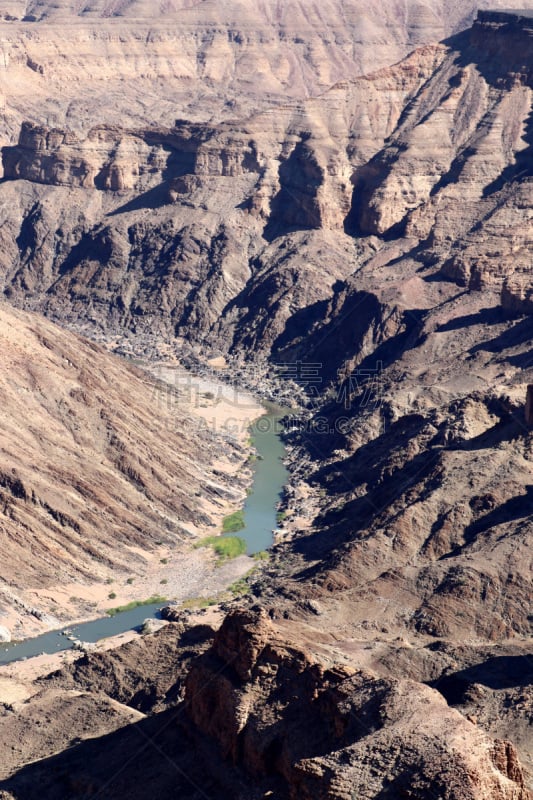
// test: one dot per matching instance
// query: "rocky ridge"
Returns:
(265, 718)
(386, 240)
(201, 231)
(154, 61)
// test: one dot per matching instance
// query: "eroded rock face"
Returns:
(420, 518)
(244, 712)
(369, 230)
(116, 160)
(201, 259)
(529, 405)
(143, 60)
(256, 222)
(506, 36)
(332, 732)
(94, 499)
(517, 293)
(241, 640)
(459, 162)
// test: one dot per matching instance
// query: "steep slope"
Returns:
(98, 474)
(191, 242)
(219, 233)
(336, 232)
(379, 237)
(120, 62)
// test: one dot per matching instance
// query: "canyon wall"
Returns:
(200, 228)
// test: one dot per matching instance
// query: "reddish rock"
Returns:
(241, 639)
(336, 734)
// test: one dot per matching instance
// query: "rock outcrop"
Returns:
(506, 36)
(240, 239)
(517, 292)
(259, 717)
(333, 733)
(529, 405)
(380, 232)
(65, 62)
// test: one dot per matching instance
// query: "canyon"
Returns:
(70, 63)
(106, 475)
(230, 216)
(358, 243)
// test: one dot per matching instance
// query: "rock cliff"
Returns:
(380, 232)
(259, 717)
(118, 62)
(336, 733)
(198, 230)
(334, 231)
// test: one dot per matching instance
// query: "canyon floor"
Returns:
(334, 209)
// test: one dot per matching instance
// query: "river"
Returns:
(270, 476)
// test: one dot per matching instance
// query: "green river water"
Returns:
(270, 477)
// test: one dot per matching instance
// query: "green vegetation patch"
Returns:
(225, 547)
(239, 587)
(233, 523)
(199, 602)
(112, 612)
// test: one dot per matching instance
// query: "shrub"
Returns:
(239, 587)
(112, 612)
(225, 547)
(233, 522)
(199, 602)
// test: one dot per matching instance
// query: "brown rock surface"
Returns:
(96, 470)
(382, 229)
(292, 728)
(529, 405)
(157, 60)
(517, 293)
(94, 697)
(202, 230)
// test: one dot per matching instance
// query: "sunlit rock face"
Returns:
(433, 153)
